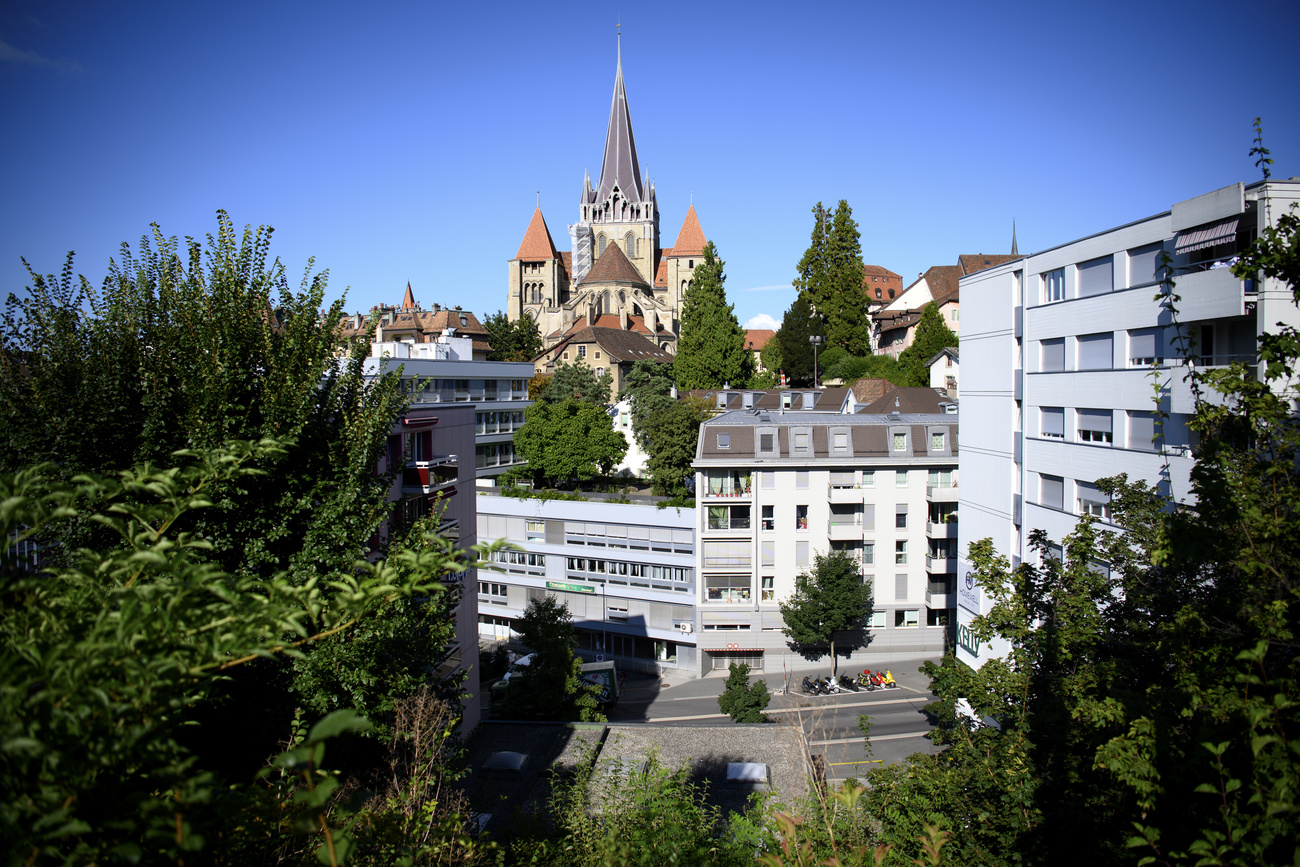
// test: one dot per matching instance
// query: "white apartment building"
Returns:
(774, 489)
(625, 571)
(444, 372)
(1066, 350)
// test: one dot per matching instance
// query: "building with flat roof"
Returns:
(1073, 359)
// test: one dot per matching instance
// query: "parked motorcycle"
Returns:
(809, 686)
(848, 683)
(888, 680)
(867, 682)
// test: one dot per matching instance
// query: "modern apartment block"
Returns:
(625, 571)
(431, 449)
(444, 372)
(774, 489)
(1067, 351)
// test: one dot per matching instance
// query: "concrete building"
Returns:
(1066, 349)
(431, 448)
(625, 571)
(774, 489)
(440, 373)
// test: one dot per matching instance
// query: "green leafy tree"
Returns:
(932, 334)
(648, 386)
(672, 434)
(741, 700)
(828, 608)
(711, 350)
(576, 381)
(830, 275)
(103, 654)
(773, 356)
(851, 368)
(798, 324)
(520, 340)
(569, 441)
(551, 686)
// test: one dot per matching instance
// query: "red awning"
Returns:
(1206, 236)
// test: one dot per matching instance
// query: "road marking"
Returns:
(683, 718)
(873, 738)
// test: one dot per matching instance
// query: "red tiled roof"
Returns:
(613, 267)
(757, 338)
(972, 262)
(942, 280)
(618, 344)
(867, 390)
(661, 269)
(537, 243)
(690, 240)
(408, 300)
(436, 322)
(878, 271)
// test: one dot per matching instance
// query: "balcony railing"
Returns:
(938, 494)
(427, 477)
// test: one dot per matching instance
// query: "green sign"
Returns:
(967, 640)
(571, 588)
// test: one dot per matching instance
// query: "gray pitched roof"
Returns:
(620, 167)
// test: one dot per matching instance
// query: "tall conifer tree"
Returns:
(711, 350)
(799, 323)
(830, 275)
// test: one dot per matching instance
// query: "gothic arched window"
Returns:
(631, 245)
(600, 246)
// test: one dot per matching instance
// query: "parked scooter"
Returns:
(832, 686)
(888, 680)
(849, 683)
(867, 681)
(881, 679)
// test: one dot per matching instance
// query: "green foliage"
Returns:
(741, 700)
(851, 368)
(829, 605)
(569, 441)
(103, 655)
(932, 334)
(830, 278)
(773, 358)
(575, 381)
(711, 350)
(520, 340)
(648, 386)
(672, 434)
(797, 325)
(551, 686)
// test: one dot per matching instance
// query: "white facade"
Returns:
(1065, 351)
(776, 489)
(625, 571)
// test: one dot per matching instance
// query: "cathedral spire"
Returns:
(1014, 251)
(620, 168)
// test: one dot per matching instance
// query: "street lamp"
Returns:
(816, 341)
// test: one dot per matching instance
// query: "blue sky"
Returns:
(400, 142)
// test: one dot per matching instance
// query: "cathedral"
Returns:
(617, 275)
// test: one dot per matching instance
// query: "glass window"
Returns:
(1093, 502)
(900, 479)
(1051, 491)
(900, 552)
(1144, 265)
(1053, 285)
(801, 441)
(1052, 422)
(769, 591)
(1094, 426)
(900, 587)
(766, 443)
(868, 478)
(1144, 349)
(906, 619)
(900, 519)
(900, 442)
(724, 440)
(1053, 355)
(840, 442)
(936, 442)
(801, 553)
(868, 553)
(1095, 277)
(1096, 351)
(1142, 431)
(801, 517)
(876, 620)
(769, 518)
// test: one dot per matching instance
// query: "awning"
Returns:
(1206, 236)
(733, 650)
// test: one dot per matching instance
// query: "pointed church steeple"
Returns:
(408, 300)
(537, 244)
(690, 240)
(1014, 251)
(619, 167)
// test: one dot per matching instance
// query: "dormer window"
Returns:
(724, 440)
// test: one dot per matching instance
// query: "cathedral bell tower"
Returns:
(622, 209)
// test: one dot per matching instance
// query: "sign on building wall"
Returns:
(968, 594)
(570, 588)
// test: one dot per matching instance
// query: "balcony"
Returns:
(941, 494)
(844, 494)
(941, 529)
(431, 476)
(1213, 293)
(844, 529)
(940, 600)
(941, 564)
(1181, 399)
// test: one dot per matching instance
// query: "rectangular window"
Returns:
(801, 553)
(1053, 355)
(900, 587)
(582, 352)
(768, 552)
(728, 517)
(868, 478)
(1096, 277)
(876, 620)
(766, 443)
(1096, 351)
(801, 479)
(1144, 265)
(1094, 426)
(900, 479)
(939, 478)
(769, 519)
(1142, 431)
(900, 442)
(1053, 285)
(900, 552)
(801, 517)
(1052, 422)
(1093, 502)
(1144, 349)
(907, 619)
(868, 553)
(900, 517)
(536, 531)
(802, 443)
(724, 554)
(724, 440)
(840, 442)
(1051, 491)
(936, 442)
(769, 590)
(769, 481)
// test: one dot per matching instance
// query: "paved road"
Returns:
(830, 722)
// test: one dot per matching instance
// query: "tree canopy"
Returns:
(551, 685)
(576, 381)
(932, 334)
(741, 700)
(520, 340)
(569, 441)
(830, 605)
(798, 324)
(830, 276)
(672, 434)
(711, 349)
(648, 388)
